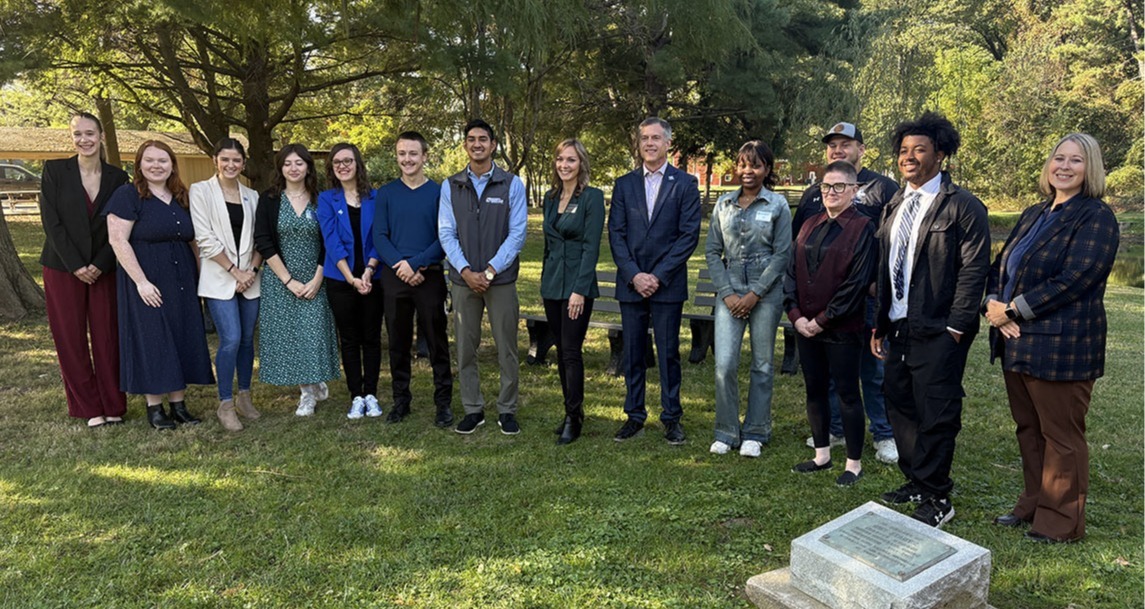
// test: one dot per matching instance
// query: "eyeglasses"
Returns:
(345, 162)
(838, 188)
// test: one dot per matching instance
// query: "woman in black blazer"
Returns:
(573, 221)
(1045, 305)
(78, 280)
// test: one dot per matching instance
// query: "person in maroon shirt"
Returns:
(79, 284)
(831, 271)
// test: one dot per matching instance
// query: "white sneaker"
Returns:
(357, 408)
(323, 392)
(305, 405)
(719, 448)
(750, 448)
(373, 409)
(833, 442)
(886, 451)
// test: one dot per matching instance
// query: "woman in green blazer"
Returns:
(574, 219)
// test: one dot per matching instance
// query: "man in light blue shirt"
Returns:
(481, 222)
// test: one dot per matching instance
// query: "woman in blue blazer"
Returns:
(573, 221)
(346, 214)
(1045, 305)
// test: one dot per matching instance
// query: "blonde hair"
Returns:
(582, 174)
(1094, 184)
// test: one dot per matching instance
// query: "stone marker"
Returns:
(876, 558)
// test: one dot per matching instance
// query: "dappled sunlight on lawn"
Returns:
(10, 496)
(151, 475)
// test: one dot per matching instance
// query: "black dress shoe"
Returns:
(1037, 537)
(180, 413)
(1009, 520)
(561, 426)
(444, 417)
(158, 418)
(674, 433)
(397, 414)
(629, 430)
(570, 431)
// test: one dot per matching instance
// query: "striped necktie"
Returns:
(902, 238)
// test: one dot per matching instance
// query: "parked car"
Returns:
(18, 184)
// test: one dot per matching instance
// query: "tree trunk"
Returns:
(107, 117)
(708, 160)
(20, 295)
(256, 102)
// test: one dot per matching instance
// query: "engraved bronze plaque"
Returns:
(884, 545)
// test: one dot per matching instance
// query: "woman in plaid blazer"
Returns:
(1044, 303)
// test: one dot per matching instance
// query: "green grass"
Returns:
(327, 512)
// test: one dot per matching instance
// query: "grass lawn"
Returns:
(327, 512)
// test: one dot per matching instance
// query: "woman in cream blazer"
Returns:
(222, 210)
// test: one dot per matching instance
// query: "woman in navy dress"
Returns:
(162, 344)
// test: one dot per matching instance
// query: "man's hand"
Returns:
(476, 281)
(878, 346)
(404, 271)
(646, 284)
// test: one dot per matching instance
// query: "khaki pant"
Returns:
(501, 303)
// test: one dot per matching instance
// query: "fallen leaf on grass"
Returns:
(1121, 562)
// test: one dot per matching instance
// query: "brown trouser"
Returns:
(1055, 457)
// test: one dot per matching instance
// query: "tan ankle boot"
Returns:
(245, 407)
(228, 417)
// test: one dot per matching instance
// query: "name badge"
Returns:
(571, 209)
(763, 215)
(494, 200)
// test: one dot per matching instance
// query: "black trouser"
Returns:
(824, 362)
(923, 389)
(428, 301)
(568, 338)
(359, 322)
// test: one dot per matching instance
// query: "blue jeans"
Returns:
(763, 321)
(234, 321)
(871, 379)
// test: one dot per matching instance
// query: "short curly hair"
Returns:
(931, 125)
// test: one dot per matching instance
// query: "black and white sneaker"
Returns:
(469, 423)
(934, 511)
(508, 424)
(907, 493)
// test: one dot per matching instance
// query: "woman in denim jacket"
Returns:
(748, 247)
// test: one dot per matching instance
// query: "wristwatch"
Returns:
(1012, 314)
(489, 274)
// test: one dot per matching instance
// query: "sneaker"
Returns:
(469, 423)
(305, 405)
(629, 430)
(750, 448)
(373, 408)
(934, 511)
(508, 424)
(357, 408)
(719, 448)
(848, 478)
(832, 442)
(674, 433)
(907, 493)
(323, 392)
(886, 451)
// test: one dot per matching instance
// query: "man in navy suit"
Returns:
(653, 227)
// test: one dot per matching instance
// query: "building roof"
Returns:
(43, 143)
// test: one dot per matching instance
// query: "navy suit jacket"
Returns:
(661, 245)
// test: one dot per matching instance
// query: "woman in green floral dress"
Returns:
(297, 343)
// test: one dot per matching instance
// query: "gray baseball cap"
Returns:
(846, 130)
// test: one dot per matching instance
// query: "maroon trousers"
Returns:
(91, 374)
(1055, 457)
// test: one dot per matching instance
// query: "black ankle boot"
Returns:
(561, 426)
(571, 430)
(158, 418)
(180, 413)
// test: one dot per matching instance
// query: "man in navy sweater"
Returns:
(413, 279)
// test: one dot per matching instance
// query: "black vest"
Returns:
(482, 224)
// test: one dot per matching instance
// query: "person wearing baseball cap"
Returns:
(844, 142)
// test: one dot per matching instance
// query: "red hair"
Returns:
(174, 182)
